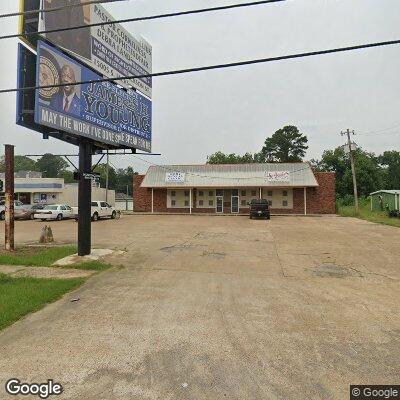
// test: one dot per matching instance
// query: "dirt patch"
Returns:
(335, 271)
(214, 254)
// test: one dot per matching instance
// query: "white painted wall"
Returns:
(70, 195)
(121, 205)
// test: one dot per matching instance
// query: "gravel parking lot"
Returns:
(207, 307)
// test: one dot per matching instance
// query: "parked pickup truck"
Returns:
(100, 209)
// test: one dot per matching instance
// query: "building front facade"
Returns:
(31, 188)
(290, 188)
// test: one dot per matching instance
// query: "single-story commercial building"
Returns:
(385, 200)
(31, 188)
(290, 188)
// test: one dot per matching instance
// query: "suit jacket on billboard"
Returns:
(57, 100)
(78, 40)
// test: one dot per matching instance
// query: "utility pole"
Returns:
(353, 170)
(127, 194)
(107, 166)
(9, 197)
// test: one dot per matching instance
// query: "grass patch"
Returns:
(21, 296)
(90, 266)
(36, 256)
(46, 257)
(379, 217)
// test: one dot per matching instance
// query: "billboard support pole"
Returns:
(9, 194)
(84, 198)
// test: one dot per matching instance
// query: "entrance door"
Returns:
(219, 204)
(235, 204)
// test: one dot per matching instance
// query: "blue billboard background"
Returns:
(99, 111)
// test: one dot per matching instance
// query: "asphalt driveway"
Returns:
(203, 307)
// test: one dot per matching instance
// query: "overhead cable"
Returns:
(146, 18)
(216, 66)
(380, 130)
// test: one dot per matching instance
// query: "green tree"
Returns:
(222, 158)
(51, 165)
(67, 175)
(124, 179)
(285, 145)
(23, 163)
(112, 176)
(390, 161)
(370, 176)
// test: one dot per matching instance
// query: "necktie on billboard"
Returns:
(66, 106)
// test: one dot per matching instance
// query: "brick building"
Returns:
(290, 188)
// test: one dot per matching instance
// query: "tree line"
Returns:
(53, 166)
(374, 172)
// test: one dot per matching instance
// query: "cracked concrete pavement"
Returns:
(208, 307)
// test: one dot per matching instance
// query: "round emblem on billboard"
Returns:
(49, 74)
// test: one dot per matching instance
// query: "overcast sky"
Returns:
(234, 110)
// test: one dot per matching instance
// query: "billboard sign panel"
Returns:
(277, 176)
(109, 49)
(100, 111)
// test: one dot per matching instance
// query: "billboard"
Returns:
(99, 111)
(26, 77)
(110, 49)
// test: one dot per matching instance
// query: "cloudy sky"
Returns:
(234, 110)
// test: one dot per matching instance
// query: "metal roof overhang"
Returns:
(230, 176)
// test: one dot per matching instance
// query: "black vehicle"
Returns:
(259, 209)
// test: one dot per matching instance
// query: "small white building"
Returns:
(31, 188)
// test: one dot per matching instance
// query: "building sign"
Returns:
(277, 176)
(109, 49)
(91, 176)
(175, 177)
(99, 111)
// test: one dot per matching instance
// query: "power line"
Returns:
(97, 154)
(380, 133)
(215, 67)
(46, 10)
(146, 18)
(380, 130)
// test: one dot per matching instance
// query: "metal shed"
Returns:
(385, 200)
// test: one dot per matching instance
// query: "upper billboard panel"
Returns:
(100, 111)
(109, 49)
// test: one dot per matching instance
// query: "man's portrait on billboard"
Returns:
(71, 13)
(66, 100)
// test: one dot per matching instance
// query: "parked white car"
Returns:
(100, 209)
(54, 211)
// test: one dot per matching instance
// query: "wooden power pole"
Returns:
(107, 175)
(9, 197)
(353, 170)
